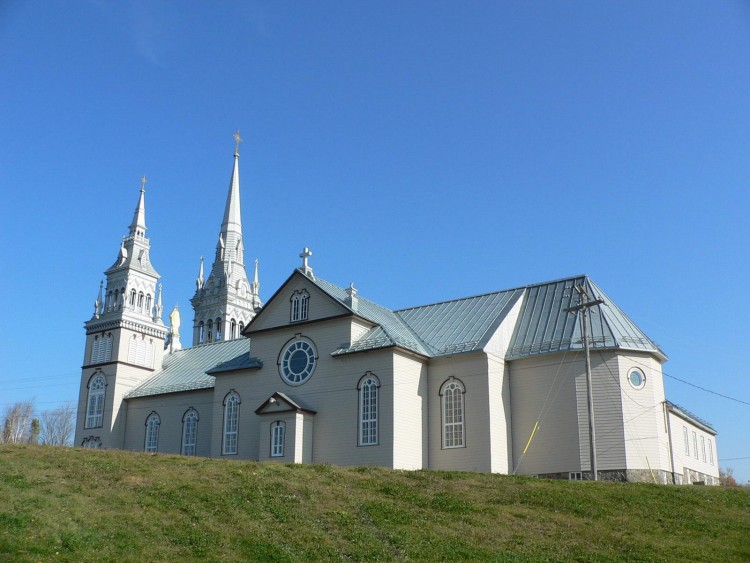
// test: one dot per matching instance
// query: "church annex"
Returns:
(320, 374)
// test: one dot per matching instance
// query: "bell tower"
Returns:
(124, 338)
(227, 301)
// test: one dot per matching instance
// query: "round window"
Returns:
(297, 362)
(636, 378)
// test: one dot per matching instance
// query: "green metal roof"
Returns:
(465, 325)
(462, 325)
(544, 326)
(185, 370)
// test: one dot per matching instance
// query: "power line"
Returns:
(708, 390)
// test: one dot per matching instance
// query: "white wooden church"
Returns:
(320, 374)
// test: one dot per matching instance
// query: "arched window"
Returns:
(189, 431)
(278, 429)
(109, 301)
(132, 299)
(148, 303)
(233, 328)
(140, 301)
(152, 433)
(95, 404)
(452, 393)
(201, 332)
(368, 410)
(218, 329)
(210, 330)
(299, 301)
(231, 423)
(242, 327)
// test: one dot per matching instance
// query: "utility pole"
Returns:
(583, 306)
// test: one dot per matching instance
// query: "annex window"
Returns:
(687, 442)
(278, 429)
(231, 423)
(710, 452)
(95, 405)
(152, 433)
(695, 445)
(575, 476)
(703, 448)
(300, 302)
(93, 442)
(189, 432)
(452, 393)
(368, 410)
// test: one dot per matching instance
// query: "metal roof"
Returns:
(391, 329)
(544, 326)
(465, 325)
(686, 414)
(185, 370)
(462, 325)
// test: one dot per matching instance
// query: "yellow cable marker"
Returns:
(536, 425)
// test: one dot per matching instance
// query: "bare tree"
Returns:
(17, 425)
(58, 425)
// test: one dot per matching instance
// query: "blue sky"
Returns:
(424, 150)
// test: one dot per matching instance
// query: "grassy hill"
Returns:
(86, 505)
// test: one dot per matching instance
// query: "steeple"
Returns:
(138, 225)
(226, 299)
(125, 336)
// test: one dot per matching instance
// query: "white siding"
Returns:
(171, 408)
(331, 391)
(546, 387)
(646, 436)
(277, 313)
(687, 468)
(409, 412)
(471, 370)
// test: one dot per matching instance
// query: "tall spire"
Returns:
(231, 227)
(138, 226)
(226, 296)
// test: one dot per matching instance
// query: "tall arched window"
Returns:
(210, 330)
(152, 433)
(148, 304)
(278, 429)
(132, 298)
(140, 301)
(201, 332)
(300, 300)
(452, 393)
(189, 431)
(218, 329)
(233, 328)
(242, 327)
(368, 410)
(231, 423)
(95, 405)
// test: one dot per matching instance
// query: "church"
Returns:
(549, 379)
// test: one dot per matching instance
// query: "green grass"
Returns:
(61, 504)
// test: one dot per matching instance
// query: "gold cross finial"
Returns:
(143, 183)
(238, 140)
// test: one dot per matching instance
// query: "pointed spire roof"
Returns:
(138, 225)
(231, 226)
